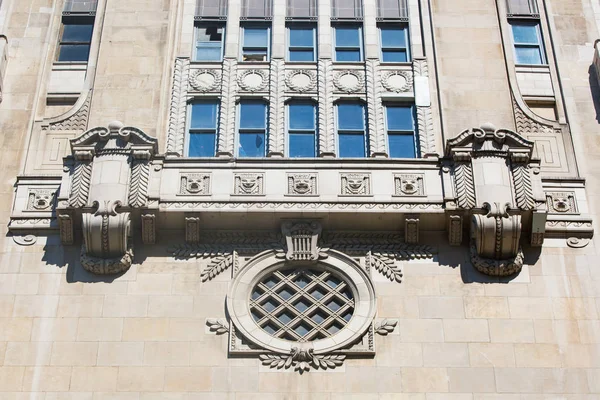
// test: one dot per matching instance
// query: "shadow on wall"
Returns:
(595, 89)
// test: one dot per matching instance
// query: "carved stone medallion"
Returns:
(40, 199)
(205, 80)
(397, 81)
(302, 184)
(249, 184)
(409, 185)
(301, 80)
(356, 184)
(195, 184)
(349, 81)
(253, 80)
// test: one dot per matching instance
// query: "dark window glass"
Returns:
(351, 130)
(252, 129)
(528, 43)
(394, 44)
(75, 39)
(301, 43)
(401, 131)
(348, 43)
(256, 42)
(209, 42)
(302, 129)
(203, 129)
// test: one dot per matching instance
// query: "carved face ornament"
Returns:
(194, 185)
(561, 204)
(248, 185)
(356, 185)
(302, 185)
(410, 186)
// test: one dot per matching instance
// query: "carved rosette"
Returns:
(103, 199)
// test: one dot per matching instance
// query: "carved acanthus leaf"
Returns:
(140, 178)
(465, 187)
(216, 266)
(523, 187)
(80, 184)
(426, 132)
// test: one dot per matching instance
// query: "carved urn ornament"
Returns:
(496, 182)
(109, 179)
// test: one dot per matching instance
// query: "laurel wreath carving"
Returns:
(197, 85)
(386, 327)
(289, 80)
(217, 326)
(241, 80)
(302, 360)
(408, 85)
(360, 81)
(386, 265)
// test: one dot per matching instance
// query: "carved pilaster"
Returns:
(227, 110)
(411, 229)
(178, 108)
(192, 229)
(376, 124)
(148, 228)
(326, 114)
(277, 109)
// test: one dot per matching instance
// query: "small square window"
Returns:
(394, 43)
(301, 43)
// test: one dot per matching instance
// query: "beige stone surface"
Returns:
(68, 335)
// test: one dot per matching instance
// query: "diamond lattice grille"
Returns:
(302, 304)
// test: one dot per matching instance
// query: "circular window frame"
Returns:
(238, 302)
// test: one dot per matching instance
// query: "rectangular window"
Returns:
(75, 39)
(252, 132)
(351, 130)
(351, 9)
(301, 117)
(211, 8)
(202, 131)
(260, 9)
(394, 43)
(301, 9)
(401, 129)
(348, 43)
(392, 9)
(256, 43)
(209, 42)
(527, 40)
(301, 42)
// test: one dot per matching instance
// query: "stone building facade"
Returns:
(299, 199)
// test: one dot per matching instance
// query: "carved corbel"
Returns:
(455, 230)
(302, 238)
(411, 229)
(110, 177)
(495, 237)
(107, 247)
